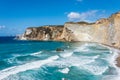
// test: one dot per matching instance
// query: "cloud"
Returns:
(83, 16)
(2, 27)
(73, 15)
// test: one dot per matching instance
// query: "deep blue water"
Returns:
(39, 60)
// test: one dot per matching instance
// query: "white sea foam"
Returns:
(112, 60)
(82, 62)
(16, 69)
(36, 53)
(85, 62)
(73, 61)
(65, 70)
(111, 77)
(33, 54)
(66, 54)
(96, 70)
(70, 59)
(113, 63)
(13, 59)
(83, 47)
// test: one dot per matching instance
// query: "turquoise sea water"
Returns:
(38, 60)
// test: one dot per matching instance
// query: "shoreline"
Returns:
(117, 58)
(118, 61)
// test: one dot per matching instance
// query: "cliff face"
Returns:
(86, 32)
(114, 30)
(43, 33)
(105, 31)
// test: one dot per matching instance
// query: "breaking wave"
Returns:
(16, 69)
(87, 58)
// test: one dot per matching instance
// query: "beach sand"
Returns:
(118, 61)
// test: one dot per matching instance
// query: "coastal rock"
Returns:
(105, 31)
(43, 33)
(59, 49)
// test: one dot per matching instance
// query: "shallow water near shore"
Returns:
(38, 60)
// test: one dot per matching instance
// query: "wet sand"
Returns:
(118, 61)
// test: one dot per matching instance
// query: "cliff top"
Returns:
(47, 26)
(82, 22)
(115, 14)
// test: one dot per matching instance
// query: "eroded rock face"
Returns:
(43, 33)
(105, 31)
(95, 32)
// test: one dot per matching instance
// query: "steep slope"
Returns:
(105, 31)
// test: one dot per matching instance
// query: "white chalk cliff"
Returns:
(105, 31)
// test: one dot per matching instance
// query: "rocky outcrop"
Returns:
(43, 33)
(105, 31)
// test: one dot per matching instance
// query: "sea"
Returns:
(41, 60)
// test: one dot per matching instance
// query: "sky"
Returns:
(17, 15)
